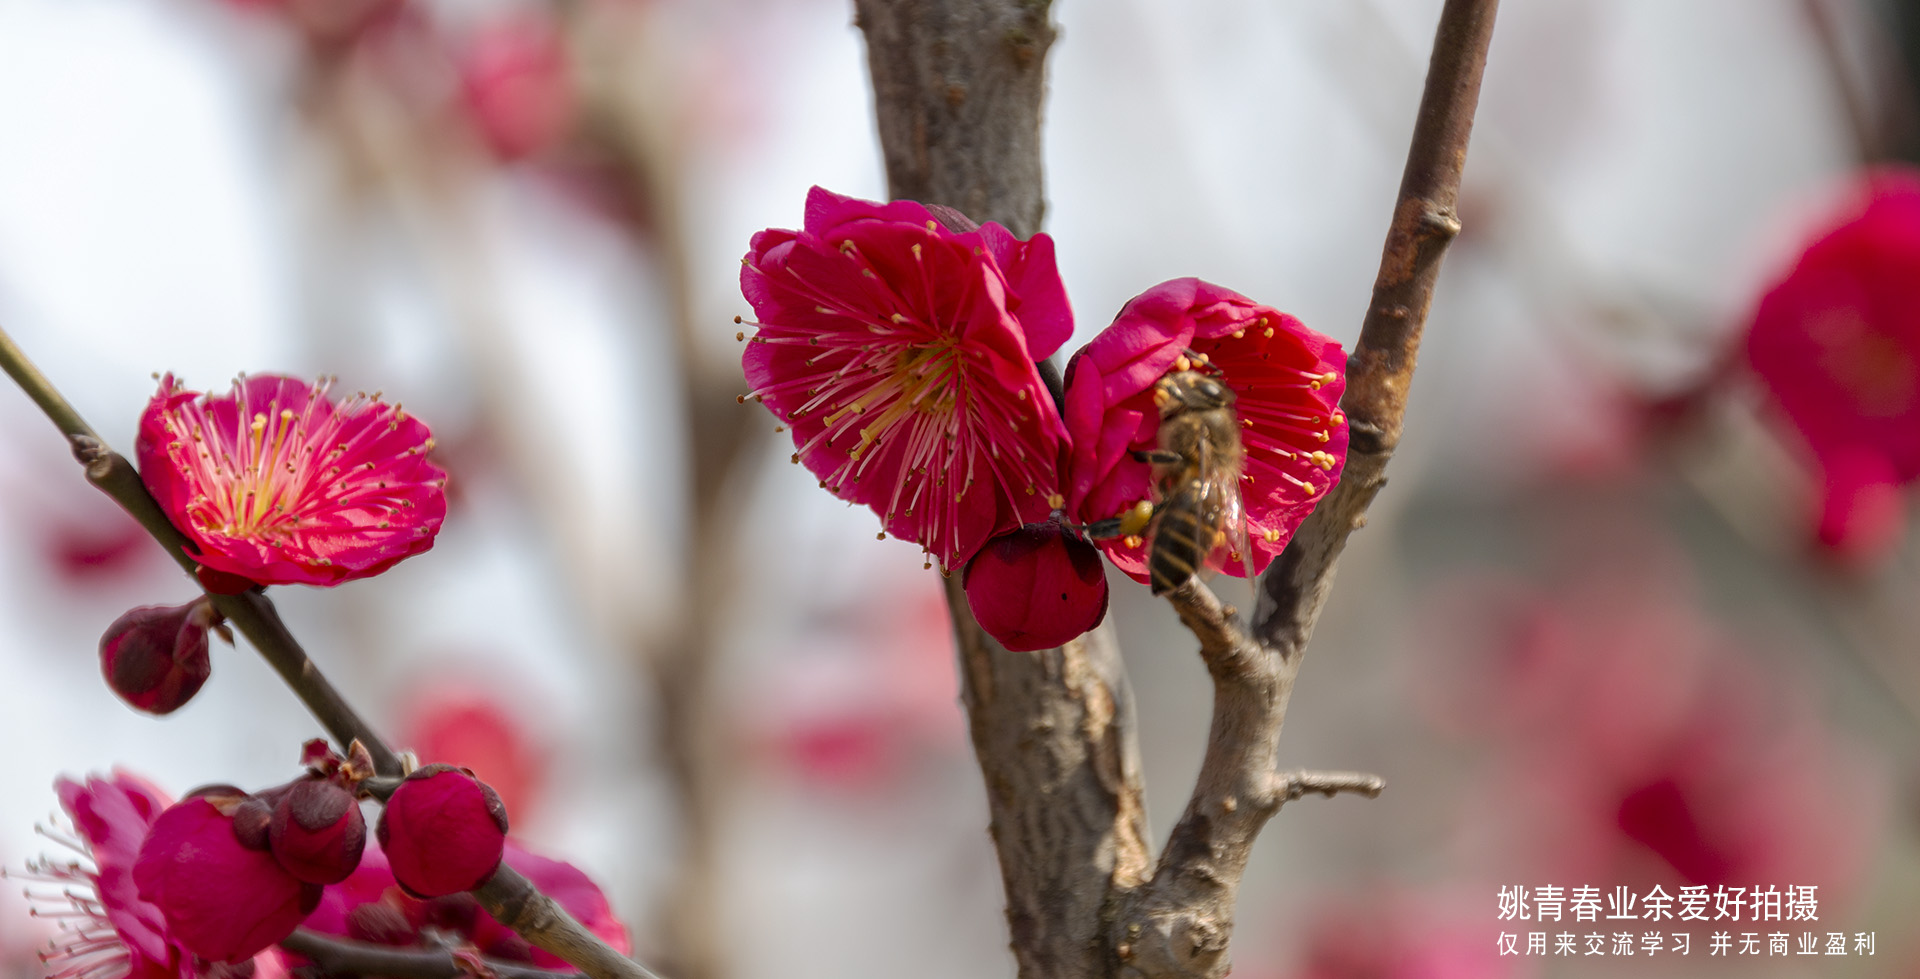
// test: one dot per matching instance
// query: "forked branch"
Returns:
(1178, 924)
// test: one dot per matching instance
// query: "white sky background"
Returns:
(149, 222)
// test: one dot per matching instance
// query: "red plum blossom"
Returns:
(1287, 381)
(900, 350)
(274, 483)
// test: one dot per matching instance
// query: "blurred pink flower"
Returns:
(901, 353)
(1630, 740)
(1390, 935)
(1837, 342)
(119, 933)
(516, 85)
(1287, 379)
(476, 731)
(275, 484)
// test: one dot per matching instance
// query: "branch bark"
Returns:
(341, 957)
(958, 87)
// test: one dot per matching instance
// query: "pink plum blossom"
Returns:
(273, 483)
(1287, 380)
(900, 351)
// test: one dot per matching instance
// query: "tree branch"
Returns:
(957, 92)
(546, 924)
(513, 901)
(1381, 368)
(1179, 923)
(342, 957)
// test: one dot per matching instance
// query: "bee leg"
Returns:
(1128, 524)
(1159, 457)
(1099, 529)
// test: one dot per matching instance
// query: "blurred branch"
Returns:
(1871, 109)
(633, 94)
(342, 957)
(958, 87)
(510, 897)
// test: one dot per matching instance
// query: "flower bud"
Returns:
(317, 831)
(155, 657)
(443, 831)
(1036, 588)
(222, 900)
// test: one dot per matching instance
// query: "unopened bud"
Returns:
(222, 900)
(155, 657)
(317, 830)
(1036, 587)
(443, 831)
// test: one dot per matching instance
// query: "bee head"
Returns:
(1190, 391)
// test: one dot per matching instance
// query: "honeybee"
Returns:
(1196, 481)
(1197, 477)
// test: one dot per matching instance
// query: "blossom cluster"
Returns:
(187, 889)
(1651, 943)
(901, 345)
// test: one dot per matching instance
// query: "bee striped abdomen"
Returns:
(1186, 532)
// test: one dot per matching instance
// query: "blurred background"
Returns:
(1620, 618)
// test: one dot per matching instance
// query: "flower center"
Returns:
(265, 473)
(922, 380)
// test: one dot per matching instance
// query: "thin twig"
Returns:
(343, 957)
(1179, 922)
(1293, 785)
(536, 917)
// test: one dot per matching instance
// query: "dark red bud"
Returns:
(1036, 588)
(155, 657)
(443, 831)
(250, 820)
(318, 831)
